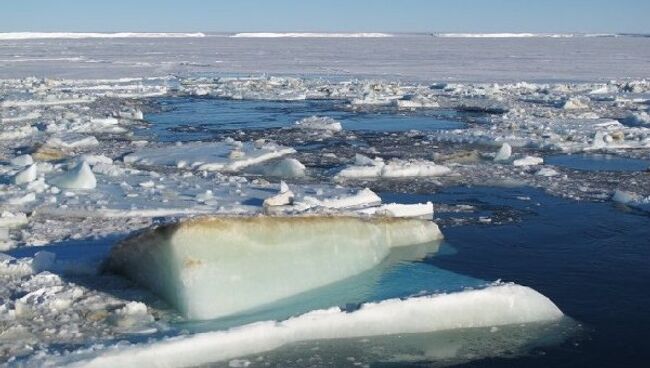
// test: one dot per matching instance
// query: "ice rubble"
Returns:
(496, 305)
(253, 261)
(218, 156)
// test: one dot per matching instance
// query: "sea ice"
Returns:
(218, 156)
(528, 161)
(320, 123)
(215, 267)
(496, 305)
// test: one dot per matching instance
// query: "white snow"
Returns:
(215, 267)
(496, 305)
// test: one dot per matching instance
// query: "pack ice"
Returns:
(219, 266)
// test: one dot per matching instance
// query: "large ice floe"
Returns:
(496, 305)
(253, 261)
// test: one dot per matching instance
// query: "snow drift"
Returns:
(219, 266)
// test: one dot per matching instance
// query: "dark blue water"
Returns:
(598, 162)
(591, 259)
(190, 118)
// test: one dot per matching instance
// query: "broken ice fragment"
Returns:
(26, 176)
(504, 153)
(79, 177)
(214, 267)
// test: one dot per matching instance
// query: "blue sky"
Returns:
(326, 15)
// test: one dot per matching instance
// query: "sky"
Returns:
(589, 16)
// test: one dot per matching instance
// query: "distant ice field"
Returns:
(412, 57)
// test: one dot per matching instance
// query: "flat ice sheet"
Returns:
(403, 56)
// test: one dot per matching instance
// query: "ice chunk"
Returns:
(215, 267)
(285, 168)
(9, 220)
(415, 168)
(213, 156)
(79, 177)
(401, 210)
(504, 153)
(365, 197)
(285, 197)
(22, 160)
(320, 123)
(497, 305)
(393, 169)
(72, 141)
(528, 161)
(547, 171)
(26, 176)
(576, 103)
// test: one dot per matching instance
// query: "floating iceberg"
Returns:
(496, 305)
(214, 267)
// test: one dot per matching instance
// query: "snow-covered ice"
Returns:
(497, 305)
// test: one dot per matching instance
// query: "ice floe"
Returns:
(497, 305)
(218, 156)
(253, 261)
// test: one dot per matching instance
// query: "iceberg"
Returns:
(220, 266)
(495, 305)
